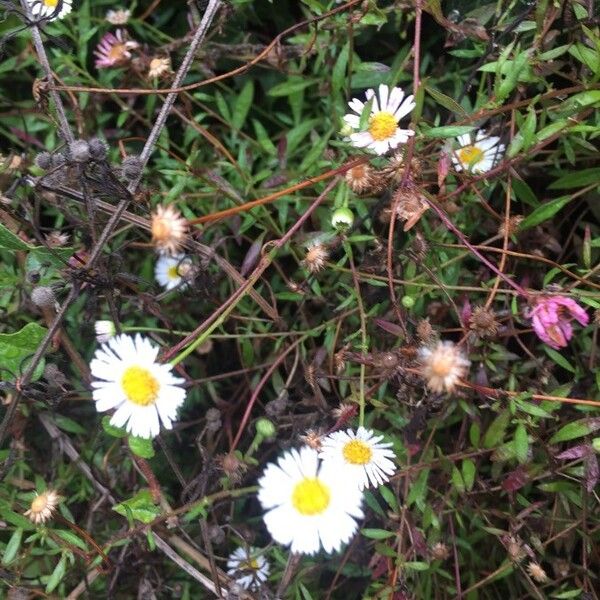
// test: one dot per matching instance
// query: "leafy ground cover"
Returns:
(211, 261)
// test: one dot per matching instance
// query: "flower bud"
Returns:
(596, 444)
(43, 297)
(44, 160)
(80, 151)
(408, 301)
(342, 218)
(265, 428)
(131, 167)
(98, 149)
(104, 331)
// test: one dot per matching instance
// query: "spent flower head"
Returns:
(443, 365)
(43, 506)
(169, 229)
(551, 319)
(248, 567)
(118, 16)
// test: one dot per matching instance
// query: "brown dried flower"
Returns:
(395, 169)
(159, 67)
(56, 239)
(425, 331)
(312, 438)
(537, 572)
(315, 258)
(513, 225)
(483, 322)
(440, 551)
(409, 205)
(43, 506)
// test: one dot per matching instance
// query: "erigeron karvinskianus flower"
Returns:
(387, 108)
(361, 456)
(309, 504)
(43, 506)
(169, 229)
(118, 16)
(477, 156)
(316, 257)
(50, 9)
(171, 271)
(104, 331)
(143, 391)
(158, 67)
(114, 49)
(551, 318)
(537, 572)
(248, 567)
(443, 364)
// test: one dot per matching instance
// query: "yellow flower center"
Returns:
(310, 497)
(442, 365)
(470, 155)
(357, 452)
(38, 504)
(140, 386)
(117, 52)
(382, 126)
(50, 3)
(249, 565)
(172, 272)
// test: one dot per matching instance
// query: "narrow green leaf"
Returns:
(12, 548)
(242, 105)
(339, 69)
(495, 433)
(576, 179)
(377, 534)
(57, 574)
(289, 87)
(468, 473)
(559, 359)
(544, 212)
(521, 443)
(445, 101)
(575, 429)
(448, 131)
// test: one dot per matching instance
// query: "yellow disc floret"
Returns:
(470, 155)
(140, 386)
(50, 3)
(382, 126)
(173, 272)
(310, 497)
(356, 452)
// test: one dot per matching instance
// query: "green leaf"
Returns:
(242, 105)
(576, 179)
(117, 432)
(69, 425)
(544, 212)
(141, 446)
(521, 443)
(445, 101)
(575, 429)
(495, 433)
(15, 348)
(448, 131)
(457, 480)
(559, 359)
(9, 241)
(377, 534)
(290, 86)
(141, 507)
(339, 69)
(468, 473)
(12, 548)
(57, 574)
(71, 538)
(416, 565)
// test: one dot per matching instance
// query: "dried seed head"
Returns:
(513, 225)
(169, 229)
(440, 551)
(56, 239)
(315, 258)
(43, 506)
(44, 160)
(395, 169)
(232, 466)
(425, 331)
(483, 322)
(159, 67)
(344, 412)
(131, 167)
(80, 151)
(98, 149)
(420, 246)
(276, 407)
(43, 297)
(561, 568)
(58, 160)
(515, 550)
(409, 205)
(537, 572)
(312, 438)
(362, 179)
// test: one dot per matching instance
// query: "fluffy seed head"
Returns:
(537, 572)
(98, 149)
(80, 151)
(443, 365)
(440, 551)
(56, 239)
(360, 179)
(409, 205)
(43, 506)
(120, 16)
(315, 258)
(43, 297)
(159, 66)
(168, 229)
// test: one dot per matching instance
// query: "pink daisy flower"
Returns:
(114, 49)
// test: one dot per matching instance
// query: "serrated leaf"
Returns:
(15, 348)
(575, 429)
(141, 446)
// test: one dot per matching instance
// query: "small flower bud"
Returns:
(44, 160)
(342, 218)
(596, 444)
(408, 301)
(80, 151)
(346, 130)
(58, 159)
(104, 331)
(98, 149)
(131, 167)
(43, 297)
(265, 428)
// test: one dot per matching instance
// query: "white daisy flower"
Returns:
(478, 156)
(387, 109)
(170, 271)
(119, 16)
(140, 389)
(56, 9)
(443, 365)
(362, 456)
(309, 504)
(104, 331)
(248, 567)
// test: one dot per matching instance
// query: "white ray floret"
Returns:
(387, 108)
(477, 156)
(142, 391)
(360, 455)
(248, 567)
(169, 271)
(309, 505)
(50, 8)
